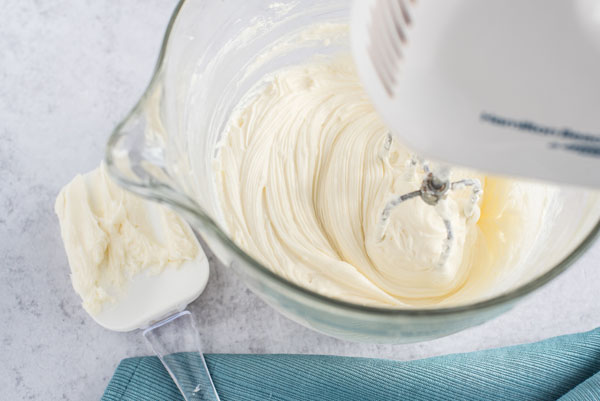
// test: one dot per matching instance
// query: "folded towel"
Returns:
(565, 368)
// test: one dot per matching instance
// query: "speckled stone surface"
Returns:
(69, 71)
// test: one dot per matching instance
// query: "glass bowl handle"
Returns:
(136, 155)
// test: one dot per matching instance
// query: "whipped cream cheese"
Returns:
(110, 235)
(305, 169)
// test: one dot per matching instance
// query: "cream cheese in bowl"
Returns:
(305, 170)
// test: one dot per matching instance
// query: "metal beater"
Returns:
(434, 188)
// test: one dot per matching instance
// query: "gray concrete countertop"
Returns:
(69, 71)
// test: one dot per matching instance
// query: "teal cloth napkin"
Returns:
(565, 368)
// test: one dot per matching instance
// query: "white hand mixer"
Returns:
(509, 87)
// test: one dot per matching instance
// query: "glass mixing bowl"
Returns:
(213, 53)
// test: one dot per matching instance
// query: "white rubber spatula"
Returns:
(156, 302)
(506, 86)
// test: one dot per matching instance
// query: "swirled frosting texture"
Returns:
(305, 170)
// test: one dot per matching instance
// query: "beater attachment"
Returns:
(434, 189)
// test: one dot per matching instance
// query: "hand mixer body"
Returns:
(510, 87)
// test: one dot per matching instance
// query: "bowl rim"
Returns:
(163, 193)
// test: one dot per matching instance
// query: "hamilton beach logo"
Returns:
(582, 143)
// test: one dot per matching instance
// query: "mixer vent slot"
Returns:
(390, 20)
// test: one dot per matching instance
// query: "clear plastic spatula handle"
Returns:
(176, 341)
